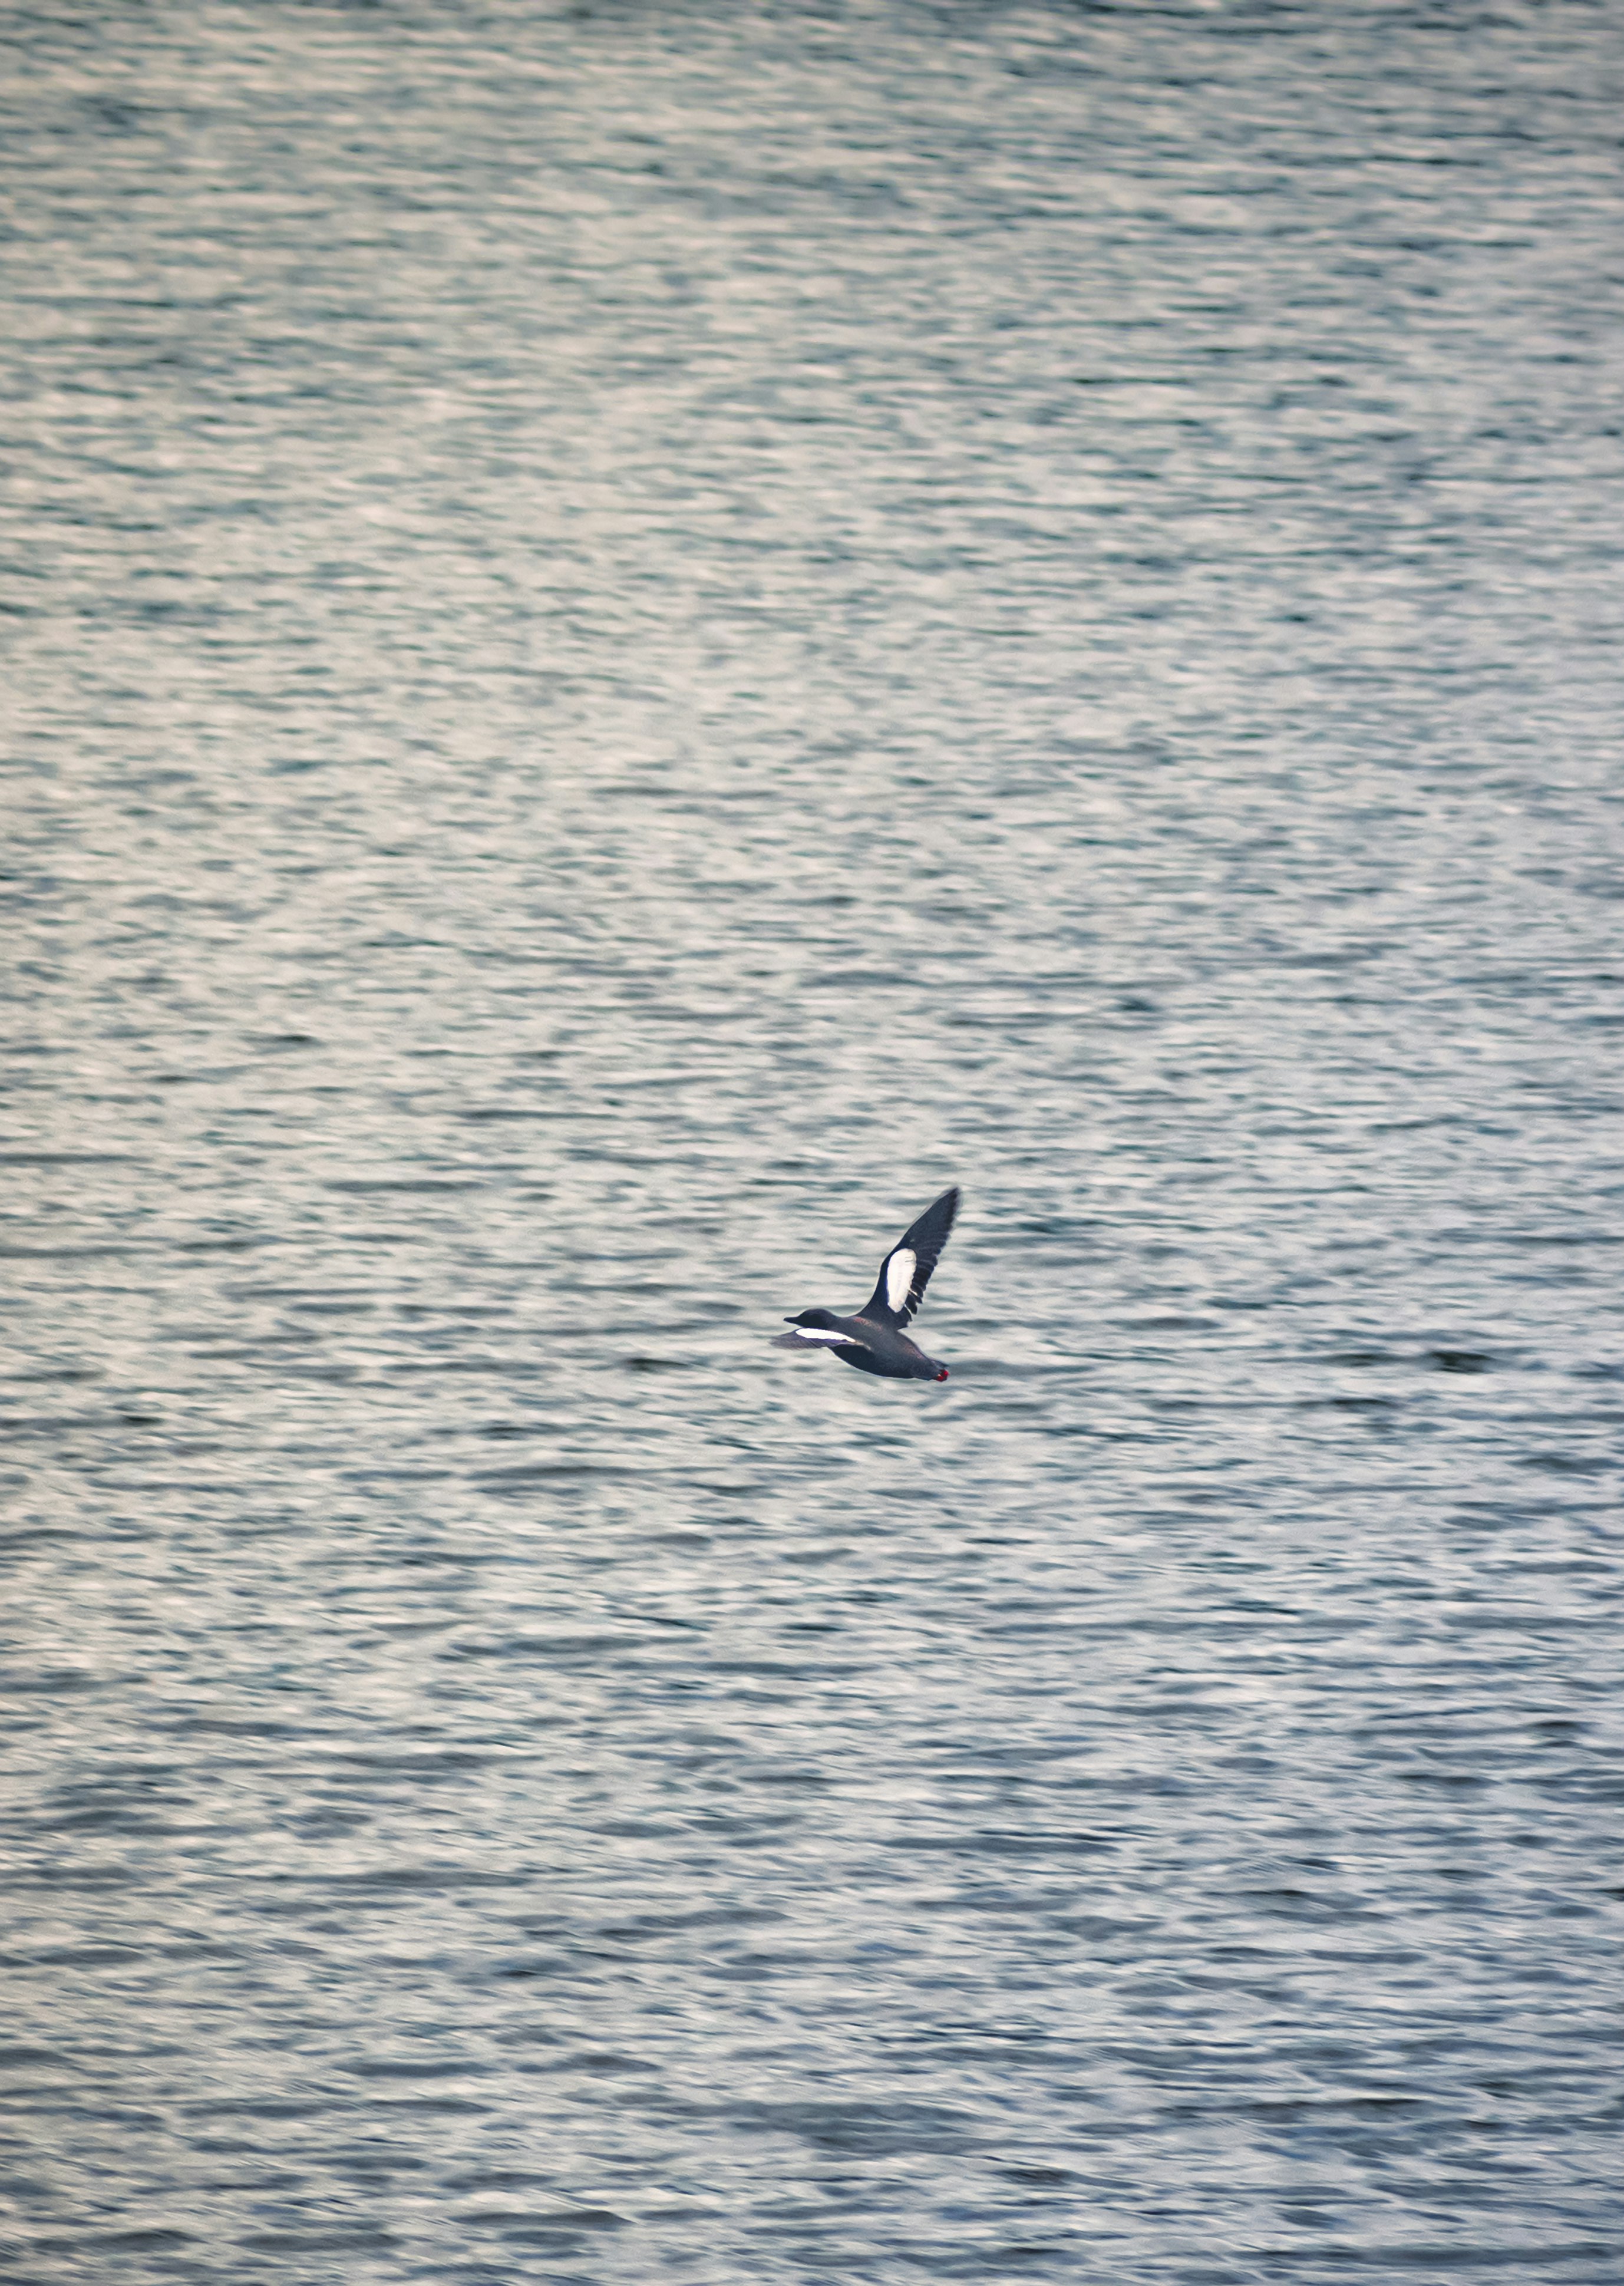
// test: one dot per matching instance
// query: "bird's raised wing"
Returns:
(905, 1272)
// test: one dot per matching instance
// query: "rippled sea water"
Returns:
(635, 636)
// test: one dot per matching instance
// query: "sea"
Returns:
(633, 636)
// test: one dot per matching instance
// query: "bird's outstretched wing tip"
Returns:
(905, 1272)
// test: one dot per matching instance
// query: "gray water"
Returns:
(636, 637)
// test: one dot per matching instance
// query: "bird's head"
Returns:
(822, 1318)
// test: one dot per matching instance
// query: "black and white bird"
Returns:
(873, 1340)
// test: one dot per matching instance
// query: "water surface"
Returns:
(636, 637)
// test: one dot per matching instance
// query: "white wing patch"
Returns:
(817, 1334)
(899, 1276)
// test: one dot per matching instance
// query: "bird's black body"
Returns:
(872, 1339)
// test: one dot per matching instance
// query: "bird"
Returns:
(872, 1339)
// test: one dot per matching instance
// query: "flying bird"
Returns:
(873, 1340)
